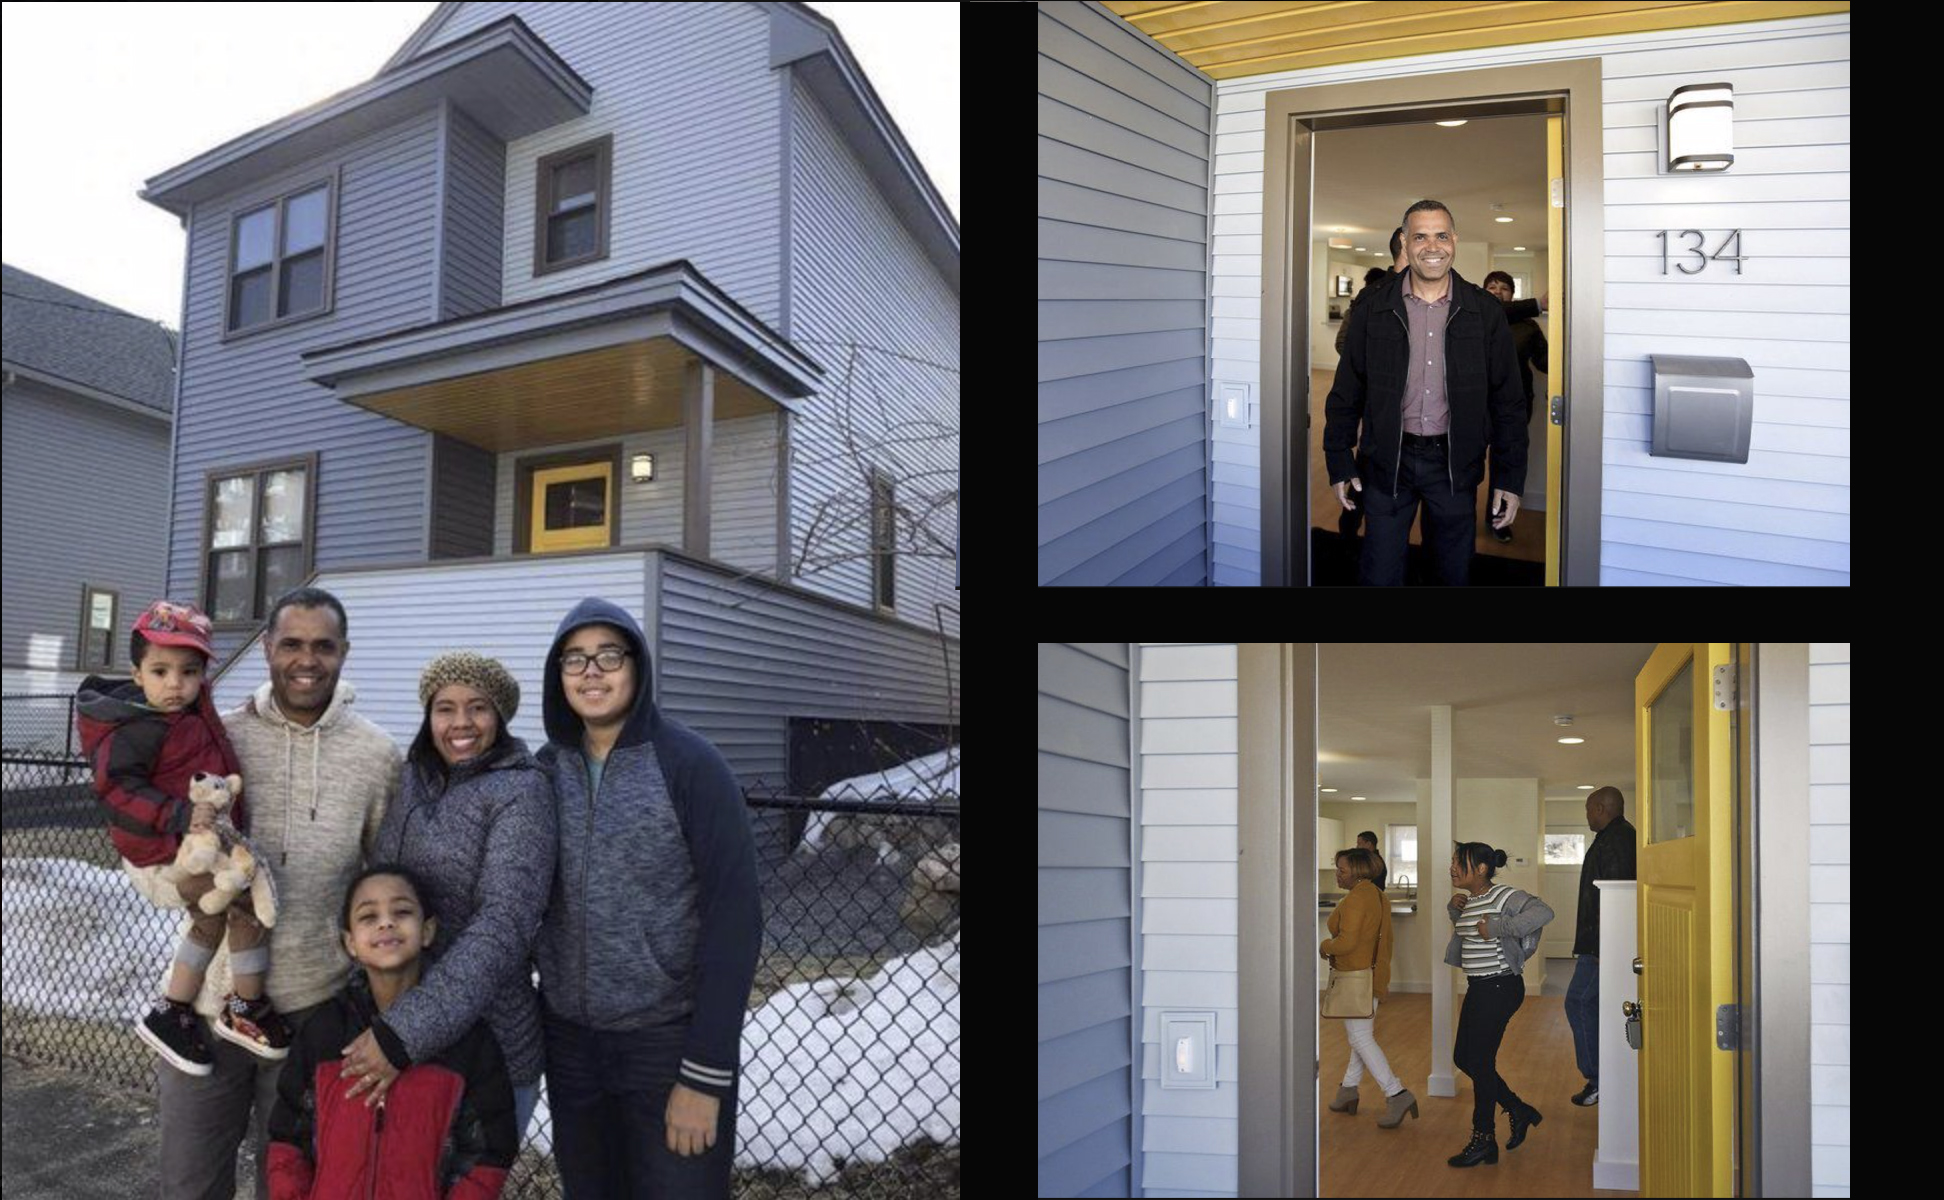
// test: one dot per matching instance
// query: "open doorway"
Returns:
(1420, 747)
(1563, 97)
(1490, 174)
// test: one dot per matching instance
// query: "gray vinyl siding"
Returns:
(472, 219)
(1781, 518)
(1086, 1132)
(1123, 256)
(686, 91)
(86, 502)
(463, 487)
(734, 657)
(246, 401)
(739, 657)
(858, 276)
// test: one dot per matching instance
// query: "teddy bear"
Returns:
(224, 853)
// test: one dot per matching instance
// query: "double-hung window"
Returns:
(280, 259)
(570, 205)
(260, 526)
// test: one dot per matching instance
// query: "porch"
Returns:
(650, 407)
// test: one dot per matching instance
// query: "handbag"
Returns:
(1349, 994)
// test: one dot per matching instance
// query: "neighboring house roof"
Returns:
(64, 338)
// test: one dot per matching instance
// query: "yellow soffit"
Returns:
(1228, 39)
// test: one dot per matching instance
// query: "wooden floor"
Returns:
(1556, 1159)
(1528, 528)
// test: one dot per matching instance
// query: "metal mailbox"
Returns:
(1702, 407)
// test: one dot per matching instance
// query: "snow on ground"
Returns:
(844, 1070)
(835, 1070)
(80, 942)
(920, 779)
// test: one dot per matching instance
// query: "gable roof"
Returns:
(502, 75)
(69, 340)
(806, 39)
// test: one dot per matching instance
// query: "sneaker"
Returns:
(254, 1025)
(1588, 1095)
(173, 1030)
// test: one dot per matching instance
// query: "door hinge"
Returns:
(1728, 1027)
(1724, 687)
(1559, 410)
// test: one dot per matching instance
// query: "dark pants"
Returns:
(608, 1092)
(1450, 518)
(1489, 1004)
(1583, 1014)
(204, 1118)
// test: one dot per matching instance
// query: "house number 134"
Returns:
(1719, 255)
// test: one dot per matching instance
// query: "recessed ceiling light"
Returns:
(1585, 787)
(1451, 124)
(1503, 220)
(1570, 741)
(1327, 789)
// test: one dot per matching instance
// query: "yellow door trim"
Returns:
(542, 540)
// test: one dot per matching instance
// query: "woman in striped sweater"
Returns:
(1495, 928)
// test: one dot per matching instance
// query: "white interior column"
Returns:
(1433, 859)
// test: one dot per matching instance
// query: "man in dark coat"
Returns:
(1428, 369)
(1611, 856)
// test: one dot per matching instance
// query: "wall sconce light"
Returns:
(1701, 127)
(641, 468)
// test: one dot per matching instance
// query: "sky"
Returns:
(97, 98)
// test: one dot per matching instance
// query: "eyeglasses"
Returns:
(575, 663)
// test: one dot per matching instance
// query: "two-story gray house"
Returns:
(87, 388)
(650, 301)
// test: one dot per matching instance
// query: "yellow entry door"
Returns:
(1684, 753)
(573, 507)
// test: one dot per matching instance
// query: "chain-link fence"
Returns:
(850, 1073)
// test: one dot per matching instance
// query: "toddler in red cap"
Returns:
(148, 738)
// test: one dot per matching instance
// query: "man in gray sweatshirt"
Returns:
(318, 777)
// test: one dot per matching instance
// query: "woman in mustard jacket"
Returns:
(1360, 937)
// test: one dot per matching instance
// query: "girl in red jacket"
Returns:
(445, 1127)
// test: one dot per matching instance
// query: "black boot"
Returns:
(1522, 1117)
(1483, 1148)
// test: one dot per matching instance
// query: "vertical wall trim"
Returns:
(1137, 1178)
(1781, 987)
(1276, 818)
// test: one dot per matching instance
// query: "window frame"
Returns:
(602, 149)
(88, 592)
(279, 204)
(884, 541)
(256, 472)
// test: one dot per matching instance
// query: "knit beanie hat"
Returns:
(476, 671)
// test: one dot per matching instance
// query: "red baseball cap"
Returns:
(169, 624)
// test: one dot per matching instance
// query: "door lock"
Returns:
(1636, 966)
(1633, 1022)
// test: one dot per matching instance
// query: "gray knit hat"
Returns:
(476, 671)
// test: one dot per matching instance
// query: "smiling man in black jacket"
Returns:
(1429, 371)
